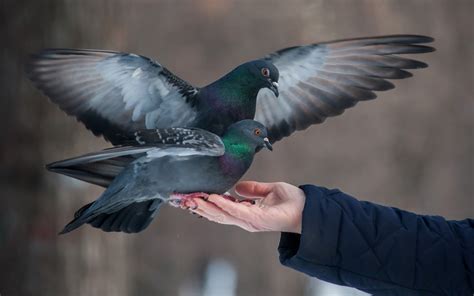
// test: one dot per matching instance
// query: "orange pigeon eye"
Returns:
(265, 72)
(257, 132)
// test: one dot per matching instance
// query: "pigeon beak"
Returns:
(274, 87)
(267, 143)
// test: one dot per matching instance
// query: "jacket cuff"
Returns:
(295, 246)
(289, 244)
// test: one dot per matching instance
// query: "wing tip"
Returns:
(30, 67)
(72, 51)
(412, 38)
(58, 166)
(70, 227)
(402, 75)
(408, 38)
(423, 48)
(387, 85)
(34, 59)
(52, 167)
(416, 65)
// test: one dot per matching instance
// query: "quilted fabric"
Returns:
(380, 250)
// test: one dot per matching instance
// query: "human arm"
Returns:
(377, 249)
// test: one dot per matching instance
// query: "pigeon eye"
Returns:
(265, 72)
(257, 132)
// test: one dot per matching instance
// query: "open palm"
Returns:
(277, 207)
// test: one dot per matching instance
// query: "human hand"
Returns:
(277, 207)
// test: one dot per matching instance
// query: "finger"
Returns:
(246, 201)
(214, 214)
(252, 189)
(237, 210)
(210, 209)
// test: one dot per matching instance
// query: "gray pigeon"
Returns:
(175, 164)
(115, 93)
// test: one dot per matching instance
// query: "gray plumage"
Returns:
(322, 80)
(191, 160)
(115, 93)
(101, 168)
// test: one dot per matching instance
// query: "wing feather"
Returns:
(322, 80)
(102, 167)
(112, 93)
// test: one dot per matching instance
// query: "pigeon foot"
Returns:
(186, 200)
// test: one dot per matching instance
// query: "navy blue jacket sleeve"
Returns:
(380, 250)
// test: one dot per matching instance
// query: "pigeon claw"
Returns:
(189, 204)
(186, 200)
(250, 201)
(229, 197)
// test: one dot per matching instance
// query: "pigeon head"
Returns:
(233, 97)
(264, 73)
(248, 135)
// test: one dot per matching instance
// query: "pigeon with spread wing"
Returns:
(161, 165)
(115, 93)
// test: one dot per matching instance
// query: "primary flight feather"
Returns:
(115, 93)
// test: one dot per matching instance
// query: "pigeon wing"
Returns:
(113, 93)
(102, 167)
(322, 80)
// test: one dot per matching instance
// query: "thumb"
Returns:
(253, 189)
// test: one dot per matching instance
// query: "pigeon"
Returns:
(161, 165)
(115, 93)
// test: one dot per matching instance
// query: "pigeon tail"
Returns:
(131, 219)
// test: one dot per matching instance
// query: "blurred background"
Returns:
(412, 148)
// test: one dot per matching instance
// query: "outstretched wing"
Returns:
(113, 93)
(322, 80)
(102, 167)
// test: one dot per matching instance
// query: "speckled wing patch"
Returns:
(192, 140)
(102, 167)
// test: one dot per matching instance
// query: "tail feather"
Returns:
(100, 173)
(75, 223)
(130, 219)
(86, 176)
